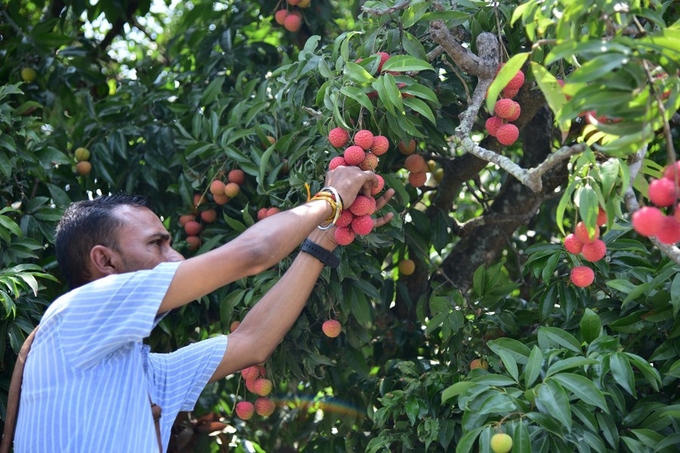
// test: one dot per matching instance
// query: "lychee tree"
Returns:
(519, 291)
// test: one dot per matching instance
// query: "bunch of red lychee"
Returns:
(589, 246)
(663, 219)
(363, 153)
(222, 191)
(291, 19)
(257, 383)
(505, 112)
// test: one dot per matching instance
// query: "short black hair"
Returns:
(84, 225)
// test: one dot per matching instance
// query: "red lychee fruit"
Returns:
(244, 410)
(507, 134)
(492, 124)
(354, 155)
(594, 251)
(572, 244)
(662, 192)
(362, 225)
(363, 138)
(216, 187)
(581, 233)
(417, 179)
(345, 218)
(415, 163)
(344, 235)
(250, 385)
(264, 407)
(209, 215)
(251, 373)
(647, 220)
(601, 217)
(516, 82)
(509, 93)
(261, 213)
(186, 218)
(669, 231)
(280, 16)
(407, 148)
(507, 109)
(338, 137)
(194, 242)
(292, 22)
(384, 56)
(262, 386)
(232, 189)
(237, 176)
(192, 228)
(221, 198)
(582, 276)
(234, 325)
(380, 145)
(336, 162)
(271, 211)
(363, 205)
(370, 162)
(381, 184)
(672, 171)
(331, 328)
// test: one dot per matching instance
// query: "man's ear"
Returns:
(102, 261)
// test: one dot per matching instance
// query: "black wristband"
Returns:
(320, 253)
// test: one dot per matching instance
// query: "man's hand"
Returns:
(350, 182)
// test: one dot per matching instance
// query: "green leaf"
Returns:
(622, 372)
(554, 335)
(213, 90)
(552, 399)
(466, 442)
(650, 373)
(359, 96)
(357, 73)
(456, 389)
(421, 107)
(568, 363)
(506, 74)
(591, 325)
(510, 363)
(533, 366)
(583, 388)
(406, 63)
(598, 67)
(516, 348)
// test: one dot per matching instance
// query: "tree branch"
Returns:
(531, 177)
(384, 12)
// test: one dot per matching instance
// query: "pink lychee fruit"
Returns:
(251, 373)
(380, 145)
(370, 162)
(381, 184)
(669, 231)
(492, 124)
(237, 176)
(384, 56)
(507, 109)
(417, 179)
(336, 162)
(672, 171)
(516, 82)
(354, 155)
(509, 93)
(338, 137)
(292, 22)
(646, 220)
(245, 410)
(362, 225)
(264, 407)
(601, 217)
(662, 192)
(363, 138)
(363, 205)
(581, 232)
(507, 134)
(415, 163)
(344, 235)
(345, 218)
(280, 16)
(582, 276)
(572, 244)
(331, 328)
(594, 251)
(262, 386)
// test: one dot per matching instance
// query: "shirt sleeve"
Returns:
(178, 378)
(103, 316)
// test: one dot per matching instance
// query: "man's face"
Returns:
(142, 242)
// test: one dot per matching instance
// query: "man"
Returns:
(89, 379)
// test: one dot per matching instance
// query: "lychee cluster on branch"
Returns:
(363, 152)
(291, 17)
(589, 246)
(663, 219)
(506, 110)
(257, 383)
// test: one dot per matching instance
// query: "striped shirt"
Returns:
(88, 376)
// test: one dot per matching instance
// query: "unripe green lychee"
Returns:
(501, 443)
(82, 154)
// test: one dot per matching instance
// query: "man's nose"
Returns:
(174, 255)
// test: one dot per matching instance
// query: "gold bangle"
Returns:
(331, 195)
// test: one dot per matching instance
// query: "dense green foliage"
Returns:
(166, 103)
